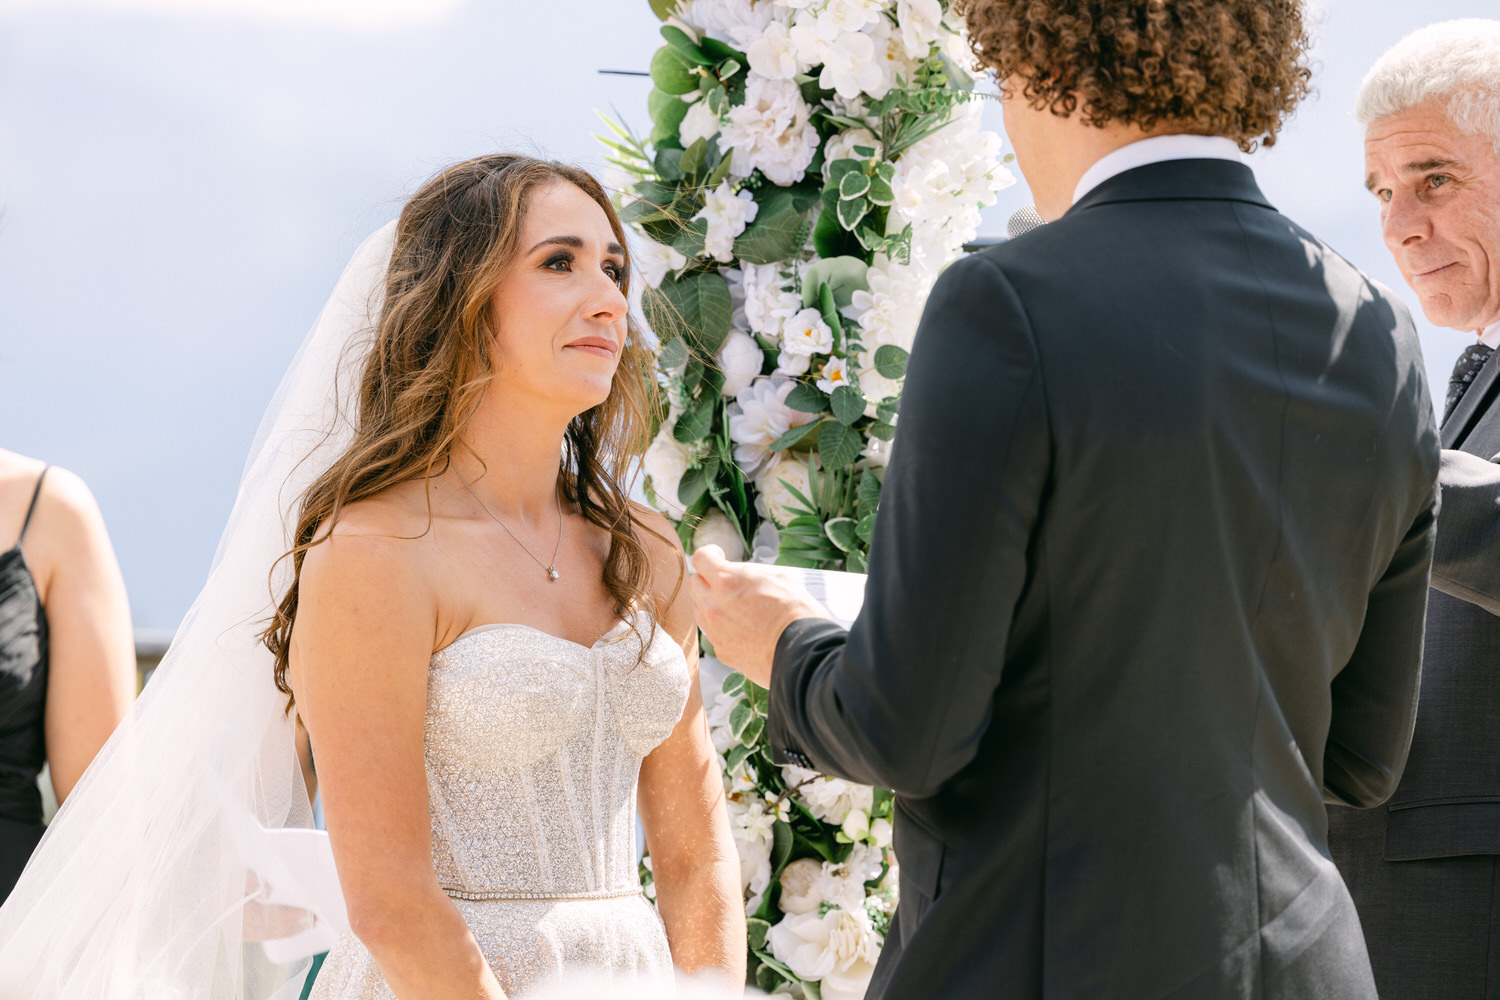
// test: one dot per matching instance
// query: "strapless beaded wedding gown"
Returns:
(533, 746)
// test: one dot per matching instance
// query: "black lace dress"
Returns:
(23, 699)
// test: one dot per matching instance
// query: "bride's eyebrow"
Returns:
(576, 243)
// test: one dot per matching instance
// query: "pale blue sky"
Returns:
(182, 180)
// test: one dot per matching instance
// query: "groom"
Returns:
(1148, 578)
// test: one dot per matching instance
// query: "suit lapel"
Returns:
(1474, 402)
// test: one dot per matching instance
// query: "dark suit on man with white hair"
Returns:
(1424, 869)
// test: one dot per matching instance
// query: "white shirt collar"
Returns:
(1491, 337)
(1155, 150)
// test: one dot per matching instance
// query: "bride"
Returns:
(487, 642)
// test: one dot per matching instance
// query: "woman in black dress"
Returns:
(67, 660)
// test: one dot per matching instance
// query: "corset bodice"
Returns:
(533, 747)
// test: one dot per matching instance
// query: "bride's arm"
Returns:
(682, 809)
(361, 646)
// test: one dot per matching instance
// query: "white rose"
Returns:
(758, 417)
(880, 833)
(774, 499)
(665, 464)
(652, 260)
(835, 373)
(700, 122)
(767, 303)
(840, 146)
(806, 334)
(727, 213)
(740, 359)
(837, 949)
(799, 886)
(717, 529)
(792, 364)
(771, 131)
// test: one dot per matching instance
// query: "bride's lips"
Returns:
(602, 346)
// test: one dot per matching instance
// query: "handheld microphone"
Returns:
(1023, 222)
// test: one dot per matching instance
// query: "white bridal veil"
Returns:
(140, 890)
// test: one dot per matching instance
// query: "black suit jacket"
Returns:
(1423, 869)
(1147, 582)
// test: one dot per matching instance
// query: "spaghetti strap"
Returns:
(35, 495)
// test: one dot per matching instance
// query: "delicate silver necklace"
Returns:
(551, 569)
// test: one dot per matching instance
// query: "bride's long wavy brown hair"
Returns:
(431, 361)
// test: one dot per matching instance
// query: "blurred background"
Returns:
(181, 181)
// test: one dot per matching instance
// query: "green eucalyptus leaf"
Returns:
(806, 398)
(853, 185)
(690, 239)
(672, 72)
(719, 51)
(696, 307)
(695, 424)
(717, 98)
(684, 46)
(841, 532)
(845, 275)
(883, 431)
(848, 404)
(851, 210)
(838, 446)
(887, 408)
(890, 361)
(778, 232)
(865, 151)
(668, 164)
(720, 172)
(641, 212)
(667, 111)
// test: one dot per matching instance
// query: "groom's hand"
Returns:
(743, 609)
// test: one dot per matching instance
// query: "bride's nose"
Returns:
(606, 300)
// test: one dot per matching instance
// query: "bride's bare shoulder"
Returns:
(388, 533)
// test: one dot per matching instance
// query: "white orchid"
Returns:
(727, 213)
(773, 55)
(848, 59)
(652, 260)
(921, 24)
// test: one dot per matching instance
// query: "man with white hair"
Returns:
(1424, 870)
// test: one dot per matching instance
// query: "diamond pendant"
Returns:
(551, 573)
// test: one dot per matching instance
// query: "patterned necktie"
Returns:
(1464, 373)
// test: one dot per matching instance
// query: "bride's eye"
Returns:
(616, 272)
(561, 262)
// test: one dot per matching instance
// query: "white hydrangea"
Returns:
(740, 359)
(738, 22)
(774, 499)
(700, 122)
(757, 417)
(727, 213)
(806, 334)
(665, 463)
(652, 260)
(771, 132)
(889, 310)
(829, 799)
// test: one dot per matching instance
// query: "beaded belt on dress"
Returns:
(481, 895)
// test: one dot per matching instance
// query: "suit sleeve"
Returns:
(1375, 695)
(902, 699)
(1466, 560)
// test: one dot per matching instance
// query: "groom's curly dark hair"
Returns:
(1235, 68)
